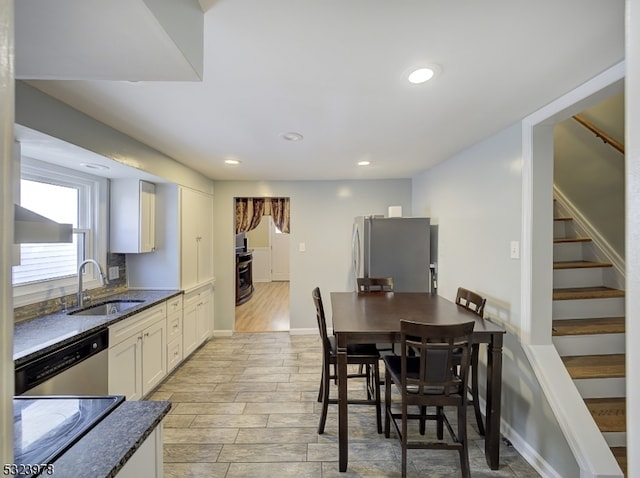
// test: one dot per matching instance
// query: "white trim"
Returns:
(583, 436)
(305, 331)
(222, 333)
(585, 440)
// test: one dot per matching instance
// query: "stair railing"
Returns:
(600, 134)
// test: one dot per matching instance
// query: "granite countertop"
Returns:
(39, 336)
(105, 449)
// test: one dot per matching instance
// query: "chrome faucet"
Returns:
(103, 279)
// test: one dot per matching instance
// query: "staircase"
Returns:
(588, 331)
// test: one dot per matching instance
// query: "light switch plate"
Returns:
(302, 247)
(114, 273)
(515, 250)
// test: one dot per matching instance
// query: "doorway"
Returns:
(267, 310)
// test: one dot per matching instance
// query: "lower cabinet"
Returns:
(147, 460)
(197, 323)
(138, 353)
(174, 333)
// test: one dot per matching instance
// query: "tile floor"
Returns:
(245, 406)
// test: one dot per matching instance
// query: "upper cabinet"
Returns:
(183, 258)
(196, 241)
(133, 216)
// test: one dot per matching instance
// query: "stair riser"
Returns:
(563, 229)
(591, 308)
(601, 387)
(584, 277)
(590, 344)
(568, 251)
(615, 438)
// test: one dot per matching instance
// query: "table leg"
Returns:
(494, 398)
(343, 428)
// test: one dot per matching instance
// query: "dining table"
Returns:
(362, 318)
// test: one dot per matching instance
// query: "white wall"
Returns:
(475, 198)
(322, 215)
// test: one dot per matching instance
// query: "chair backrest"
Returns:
(441, 362)
(320, 317)
(470, 301)
(375, 284)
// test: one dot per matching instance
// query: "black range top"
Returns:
(44, 427)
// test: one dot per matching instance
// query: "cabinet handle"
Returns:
(146, 334)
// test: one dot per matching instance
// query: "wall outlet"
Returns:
(302, 247)
(114, 273)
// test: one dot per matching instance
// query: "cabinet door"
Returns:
(154, 356)
(196, 247)
(147, 216)
(189, 329)
(125, 368)
(203, 314)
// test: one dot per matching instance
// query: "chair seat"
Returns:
(393, 363)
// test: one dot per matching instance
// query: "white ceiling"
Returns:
(335, 71)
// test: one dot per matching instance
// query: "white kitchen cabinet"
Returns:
(138, 353)
(133, 216)
(147, 461)
(197, 318)
(174, 332)
(183, 258)
(196, 238)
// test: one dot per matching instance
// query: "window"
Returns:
(65, 196)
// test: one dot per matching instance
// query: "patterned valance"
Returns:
(249, 212)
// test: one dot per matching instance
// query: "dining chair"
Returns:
(475, 303)
(432, 378)
(366, 355)
(374, 285)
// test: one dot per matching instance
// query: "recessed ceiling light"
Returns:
(364, 163)
(101, 167)
(421, 75)
(292, 136)
(232, 161)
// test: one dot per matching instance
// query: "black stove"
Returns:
(44, 427)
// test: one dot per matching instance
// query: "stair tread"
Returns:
(586, 293)
(589, 326)
(579, 264)
(595, 366)
(610, 414)
(560, 240)
(620, 454)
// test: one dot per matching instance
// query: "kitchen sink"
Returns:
(108, 308)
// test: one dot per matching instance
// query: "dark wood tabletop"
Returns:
(375, 318)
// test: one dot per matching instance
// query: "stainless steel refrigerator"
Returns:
(396, 247)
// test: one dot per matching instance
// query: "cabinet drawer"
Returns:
(174, 305)
(174, 353)
(196, 296)
(136, 323)
(174, 325)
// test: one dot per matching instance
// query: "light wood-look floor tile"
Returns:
(245, 406)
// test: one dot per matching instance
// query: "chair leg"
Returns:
(387, 403)
(474, 388)
(439, 423)
(325, 398)
(462, 438)
(376, 391)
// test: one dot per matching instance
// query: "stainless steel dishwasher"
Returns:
(79, 368)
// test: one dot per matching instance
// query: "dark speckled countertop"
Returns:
(36, 337)
(104, 450)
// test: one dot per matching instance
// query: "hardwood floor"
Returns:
(266, 311)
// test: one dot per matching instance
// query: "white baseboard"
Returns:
(222, 333)
(307, 331)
